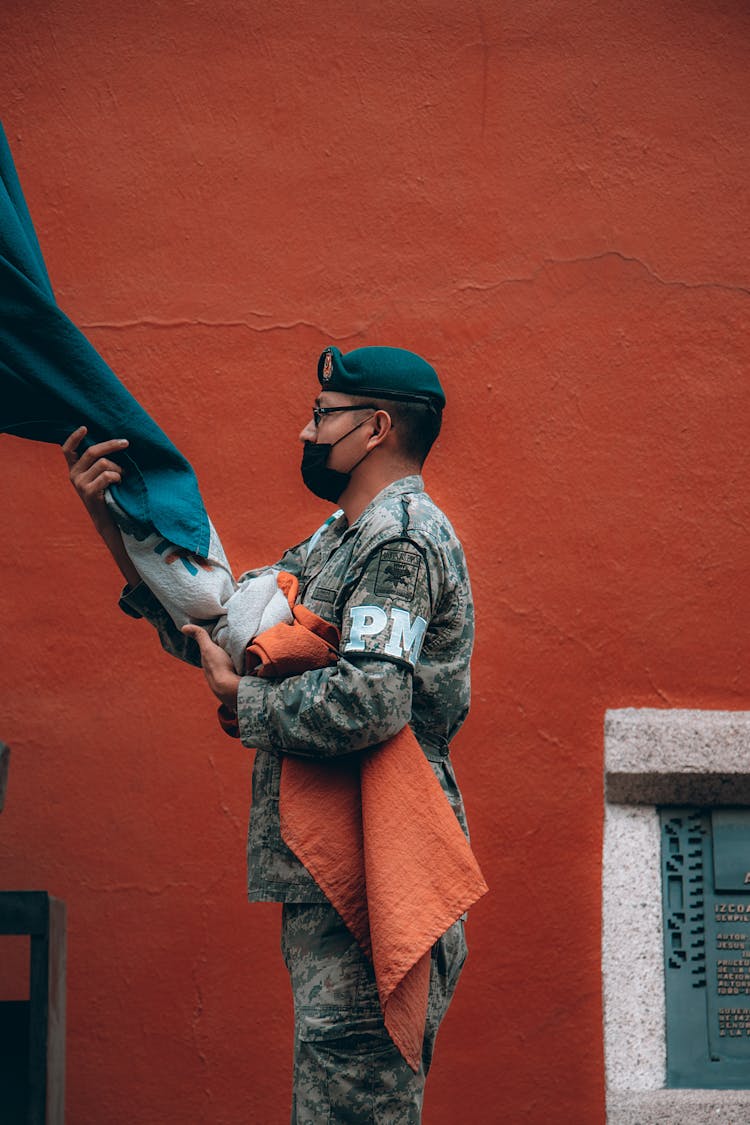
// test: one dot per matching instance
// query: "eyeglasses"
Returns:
(319, 412)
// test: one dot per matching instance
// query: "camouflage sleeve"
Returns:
(390, 608)
(366, 698)
(325, 713)
(139, 601)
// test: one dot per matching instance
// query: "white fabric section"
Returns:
(190, 589)
(203, 590)
(255, 605)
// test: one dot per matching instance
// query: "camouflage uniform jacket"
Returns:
(395, 584)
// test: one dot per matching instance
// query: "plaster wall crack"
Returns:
(156, 322)
(624, 258)
(140, 888)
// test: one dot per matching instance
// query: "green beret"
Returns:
(382, 373)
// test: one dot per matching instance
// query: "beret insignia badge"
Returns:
(328, 366)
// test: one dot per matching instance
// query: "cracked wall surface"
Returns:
(550, 202)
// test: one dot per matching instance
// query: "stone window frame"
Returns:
(656, 757)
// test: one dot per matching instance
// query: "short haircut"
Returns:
(416, 424)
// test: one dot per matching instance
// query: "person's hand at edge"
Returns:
(217, 666)
(91, 473)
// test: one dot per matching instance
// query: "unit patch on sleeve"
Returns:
(398, 570)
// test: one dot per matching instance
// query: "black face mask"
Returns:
(326, 483)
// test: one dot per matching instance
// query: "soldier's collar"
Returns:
(412, 483)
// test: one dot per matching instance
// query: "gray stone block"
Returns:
(678, 1107)
(677, 757)
(656, 757)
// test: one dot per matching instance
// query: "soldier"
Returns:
(389, 572)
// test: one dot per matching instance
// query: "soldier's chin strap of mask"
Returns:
(327, 483)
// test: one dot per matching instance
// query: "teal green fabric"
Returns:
(382, 372)
(52, 380)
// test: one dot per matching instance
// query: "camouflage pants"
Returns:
(346, 1068)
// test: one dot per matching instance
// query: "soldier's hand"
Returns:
(93, 471)
(217, 666)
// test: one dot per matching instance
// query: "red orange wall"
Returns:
(550, 202)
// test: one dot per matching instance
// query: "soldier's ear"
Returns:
(381, 426)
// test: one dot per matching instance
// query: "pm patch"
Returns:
(398, 570)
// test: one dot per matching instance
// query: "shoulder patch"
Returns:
(398, 570)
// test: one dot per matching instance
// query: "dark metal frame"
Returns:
(42, 917)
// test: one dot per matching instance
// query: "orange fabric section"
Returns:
(377, 834)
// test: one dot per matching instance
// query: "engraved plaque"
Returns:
(706, 901)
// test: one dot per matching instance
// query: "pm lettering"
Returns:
(406, 636)
(367, 621)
